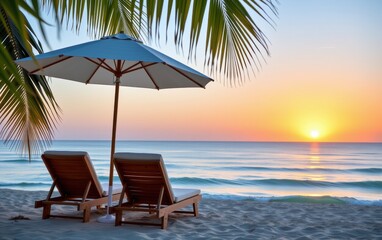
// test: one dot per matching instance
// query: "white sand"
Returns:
(219, 219)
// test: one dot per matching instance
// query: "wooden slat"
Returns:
(72, 174)
(141, 176)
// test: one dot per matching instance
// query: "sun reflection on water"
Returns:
(314, 155)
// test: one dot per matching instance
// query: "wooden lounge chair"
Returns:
(144, 180)
(76, 181)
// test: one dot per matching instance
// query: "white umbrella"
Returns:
(115, 60)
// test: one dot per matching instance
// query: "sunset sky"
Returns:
(322, 82)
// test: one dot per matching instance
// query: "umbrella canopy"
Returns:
(136, 64)
(115, 60)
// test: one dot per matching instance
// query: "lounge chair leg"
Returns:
(118, 218)
(86, 216)
(196, 209)
(46, 211)
(164, 221)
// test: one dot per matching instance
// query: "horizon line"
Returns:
(243, 141)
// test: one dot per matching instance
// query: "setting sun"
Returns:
(314, 134)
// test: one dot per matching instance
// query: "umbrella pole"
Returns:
(109, 218)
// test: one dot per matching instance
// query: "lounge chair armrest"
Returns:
(38, 204)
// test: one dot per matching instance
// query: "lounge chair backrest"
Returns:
(144, 175)
(72, 171)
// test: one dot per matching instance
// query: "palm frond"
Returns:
(234, 45)
(102, 17)
(28, 111)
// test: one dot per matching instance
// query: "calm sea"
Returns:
(323, 172)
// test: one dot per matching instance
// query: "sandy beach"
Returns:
(219, 219)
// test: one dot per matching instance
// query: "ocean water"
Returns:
(262, 171)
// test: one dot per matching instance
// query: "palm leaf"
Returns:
(28, 111)
(234, 42)
(102, 17)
